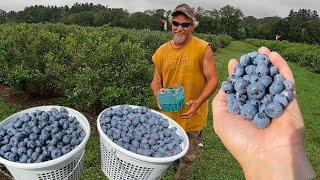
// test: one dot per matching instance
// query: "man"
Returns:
(189, 62)
(165, 23)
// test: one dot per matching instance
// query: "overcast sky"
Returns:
(260, 8)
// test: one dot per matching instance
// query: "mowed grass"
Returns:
(216, 162)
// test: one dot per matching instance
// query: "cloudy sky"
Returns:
(261, 8)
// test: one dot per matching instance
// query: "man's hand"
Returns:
(160, 90)
(193, 105)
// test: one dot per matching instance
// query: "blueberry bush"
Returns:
(303, 54)
(88, 67)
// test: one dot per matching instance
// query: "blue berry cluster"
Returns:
(141, 131)
(256, 90)
(40, 136)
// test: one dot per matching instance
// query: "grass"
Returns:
(216, 162)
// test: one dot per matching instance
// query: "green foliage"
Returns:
(33, 59)
(224, 39)
(89, 67)
(303, 54)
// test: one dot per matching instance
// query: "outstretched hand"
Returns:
(281, 141)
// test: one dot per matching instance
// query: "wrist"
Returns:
(284, 163)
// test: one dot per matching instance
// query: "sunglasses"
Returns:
(183, 24)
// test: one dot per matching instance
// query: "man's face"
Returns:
(181, 34)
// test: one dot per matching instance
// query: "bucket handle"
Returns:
(9, 176)
(76, 166)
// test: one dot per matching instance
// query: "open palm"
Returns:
(242, 139)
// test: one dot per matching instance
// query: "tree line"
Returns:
(302, 25)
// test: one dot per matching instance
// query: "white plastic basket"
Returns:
(119, 163)
(68, 166)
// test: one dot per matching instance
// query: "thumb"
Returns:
(189, 103)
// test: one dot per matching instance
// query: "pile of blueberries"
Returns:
(140, 131)
(40, 136)
(256, 90)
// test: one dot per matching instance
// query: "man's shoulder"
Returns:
(198, 40)
(164, 45)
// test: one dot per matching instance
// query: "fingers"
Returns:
(283, 66)
(188, 114)
(189, 103)
(279, 62)
(264, 50)
(221, 96)
(232, 65)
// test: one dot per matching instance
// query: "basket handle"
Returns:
(76, 166)
(113, 152)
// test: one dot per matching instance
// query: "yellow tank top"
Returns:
(184, 67)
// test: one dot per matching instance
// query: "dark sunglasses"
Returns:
(183, 24)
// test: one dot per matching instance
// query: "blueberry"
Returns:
(6, 148)
(274, 109)
(250, 70)
(60, 145)
(241, 86)
(33, 136)
(256, 91)
(282, 99)
(288, 84)
(248, 111)
(265, 80)
(55, 153)
(273, 71)
(18, 124)
(22, 144)
(262, 59)
(40, 142)
(230, 97)
(261, 120)
(29, 152)
(66, 139)
(55, 130)
(253, 55)
(276, 87)
(14, 141)
(66, 149)
(23, 158)
(245, 60)
(13, 157)
(35, 156)
(234, 106)
(44, 136)
(262, 70)
(31, 144)
(239, 70)
(35, 129)
(278, 78)
(74, 142)
(288, 94)
(227, 87)
(268, 98)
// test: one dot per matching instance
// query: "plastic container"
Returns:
(171, 99)
(68, 166)
(119, 163)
